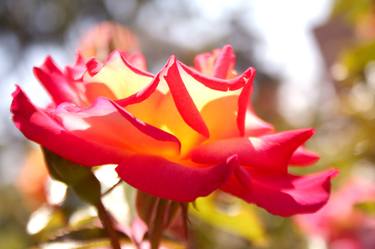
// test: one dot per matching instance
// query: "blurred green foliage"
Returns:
(232, 215)
(13, 217)
(352, 10)
(356, 59)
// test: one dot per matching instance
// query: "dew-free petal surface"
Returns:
(175, 181)
(282, 195)
(269, 153)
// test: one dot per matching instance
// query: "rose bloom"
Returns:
(340, 223)
(102, 38)
(179, 134)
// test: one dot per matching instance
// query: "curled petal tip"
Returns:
(333, 173)
(36, 71)
(93, 66)
(308, 132)
(288, 194)
(252, 70)
(227, 46)
(303, 157)
(16, 91)
(304, 133)
(18, 96)
(172, 59)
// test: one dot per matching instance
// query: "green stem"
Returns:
(107, 223)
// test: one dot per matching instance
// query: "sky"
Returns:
(288, 46)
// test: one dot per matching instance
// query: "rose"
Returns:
(99, 39)
(179, 134)
(102, 38)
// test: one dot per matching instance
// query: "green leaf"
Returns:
(232, 215)
(79, 178)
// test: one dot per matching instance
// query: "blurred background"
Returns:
(315, 65)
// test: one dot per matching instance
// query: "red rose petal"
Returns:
(174, 181)
(284, 195)
(269, 153)
(303, 157)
